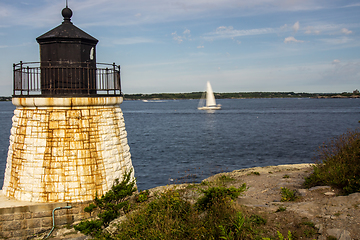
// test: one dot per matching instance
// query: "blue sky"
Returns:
(176, 46)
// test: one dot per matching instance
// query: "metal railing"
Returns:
(63, 79)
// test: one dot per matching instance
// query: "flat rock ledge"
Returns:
(333, 215)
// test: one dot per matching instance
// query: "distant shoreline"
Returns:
(5, 99)
(236, 95)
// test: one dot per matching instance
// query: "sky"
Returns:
(175, 46)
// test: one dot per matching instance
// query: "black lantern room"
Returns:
(67, 66)
(72, 52)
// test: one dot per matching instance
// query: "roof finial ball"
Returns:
(66, 13)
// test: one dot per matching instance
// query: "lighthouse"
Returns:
(68, 141)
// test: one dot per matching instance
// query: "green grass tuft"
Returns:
(338, 164)
(218, 195)
(281, 209)
(108, 206)
(287, 195)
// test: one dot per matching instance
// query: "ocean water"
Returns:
(173, 142)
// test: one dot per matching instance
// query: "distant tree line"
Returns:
(197, 95)
(5, 98)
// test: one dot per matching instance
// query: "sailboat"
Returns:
(209, 103)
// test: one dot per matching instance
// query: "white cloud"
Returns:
(187, 31)
(223, 32)
(185, 36)
(336, 61)
(200, 47)
(177, 37)
(310, 30)
(284, 27)
(346, 31)
(223, 28)
(138, 15)
(331, 29)
(292, 39)
(296, 26)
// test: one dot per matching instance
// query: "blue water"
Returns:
(171, 141)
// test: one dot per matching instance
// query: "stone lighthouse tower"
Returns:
(68, 140)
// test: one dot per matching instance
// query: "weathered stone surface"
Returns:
(302, 192)
(345, 235)
(113, 226)
(320, 228)
(42, 214)
(334, 232)
(9, 226)
(33, 223)
(7, 217)
(6, 234)
(319, 188)
(326, 212)
(329, 194)
(66, 153)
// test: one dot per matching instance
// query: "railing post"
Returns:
(115, 78)
(21, 73)
(14, 85)
(28, 79)
(119, 79)
(94, 80)
(88, 76)
(36, 79)
(106, 82)
(51, 79)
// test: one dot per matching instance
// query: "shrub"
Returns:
(338, 164)
(281, 209)
(224, 179)
(108, 206)
(287, 195)
(143, 196)
(166, 217)
(171, 216)
(218, 195)
(257, 220)
(235, 228)
(241, 227)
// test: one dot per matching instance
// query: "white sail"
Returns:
(210, 100)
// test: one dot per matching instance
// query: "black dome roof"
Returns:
(66, 31)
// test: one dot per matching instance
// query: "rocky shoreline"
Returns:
(332, 214)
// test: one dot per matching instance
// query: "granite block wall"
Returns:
(23, 222)
(65, 153)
